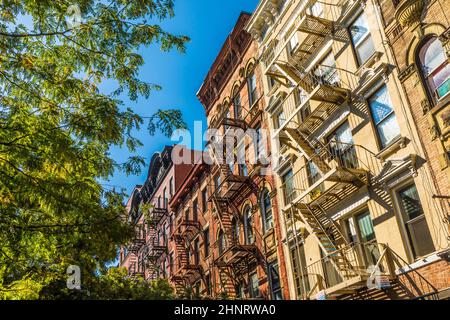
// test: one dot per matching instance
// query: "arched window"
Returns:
(266, 210)
(222, 243)
(248, 225)
(236, 230)
(435, 68)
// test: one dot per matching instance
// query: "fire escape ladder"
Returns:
(226, 280)
(308, 149)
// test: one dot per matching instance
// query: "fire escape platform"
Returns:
(348, 286)
(318, 116)
(342, 177)
(316, 31)
(232, 186)
(235, 254)
(157, 214)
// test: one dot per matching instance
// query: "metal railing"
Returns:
(277, 48)
(358, 262)
(332, 156)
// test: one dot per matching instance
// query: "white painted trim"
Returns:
(419, 264)
(355, 206)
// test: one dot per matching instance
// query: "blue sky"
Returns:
(207, 23)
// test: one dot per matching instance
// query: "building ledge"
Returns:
(399, 143)
(422, 262)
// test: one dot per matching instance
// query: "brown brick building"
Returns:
(148, 210)
(418, 33)
(249, 258)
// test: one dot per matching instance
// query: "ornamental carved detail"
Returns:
(409, 12)
(407, 72)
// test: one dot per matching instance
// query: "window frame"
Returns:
(266, 228)
(377, 89)
(252, 92)
(360, 63)
(407, 241)
(432, 95)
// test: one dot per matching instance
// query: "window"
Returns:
(313, 173)
(350, 230)
(300, 96)
(316, 10)
(252, 92)
(342, 147)
(171, 266)
(197, 252)
(197, 290)
(164, 198)
(171, 187)
(237, 106)
(235, 230)
(217, 181)
(293, 43)
(266, 210)
(435, 68)
(384, 117)
(367, 238)
(326, 70)
(288, 187)
(195, 210)
(253, 286)
(222, 242)
(204, 200)
(248, 225)
(259, 144)
(275, 282)
(208, 284)
(271, 82)
(362, 39)
(415, 222)
(264, 30)
(280, 119)
(206, 242)
(239, 289)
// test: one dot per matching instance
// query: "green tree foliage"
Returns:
(112, 285)
(56, 127)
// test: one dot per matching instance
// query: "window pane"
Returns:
(410, 202)
(416, 224)
(441, 81)
(380, 105)
(365, 50)
(293, 42)
(384, 116)
(420, 237)
(359, 29)
(361, 39)
(365, 227)
(388, 130)
(432, 56)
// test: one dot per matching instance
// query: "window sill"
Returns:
(399, 143)
(369, 64)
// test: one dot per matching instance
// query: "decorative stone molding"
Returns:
(434, 131)
(445, 39)
(409, 13)
(407, 72)
(426, 106)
